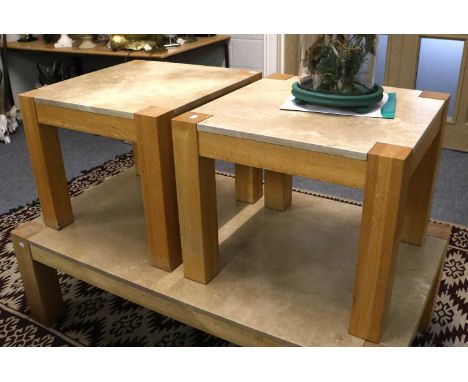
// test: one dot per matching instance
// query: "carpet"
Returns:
(97, 318)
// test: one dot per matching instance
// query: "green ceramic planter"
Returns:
(336, 100)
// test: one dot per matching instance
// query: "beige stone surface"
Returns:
(124, 89)
(287, 275)
(254, 113)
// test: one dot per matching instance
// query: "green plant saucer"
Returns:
(360, 102)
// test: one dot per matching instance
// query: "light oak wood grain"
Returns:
(330, 168)
(440, 231)
(386, 186)
(278, 190)
(153, 127)
(87, 122)
(422, 183)
(48, 169)
(279, 76)
(40, 282)
(249, 183)
(278, 187)
(196, 194)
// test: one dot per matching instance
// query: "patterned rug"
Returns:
(97, 318)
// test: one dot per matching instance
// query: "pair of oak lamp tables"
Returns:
(180, 119)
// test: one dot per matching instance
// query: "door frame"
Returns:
(401, 71)
(273, 54)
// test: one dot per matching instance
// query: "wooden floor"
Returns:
(286, 277)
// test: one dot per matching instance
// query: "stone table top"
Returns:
(253, 112)
(124, 89)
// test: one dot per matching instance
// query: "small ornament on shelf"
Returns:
(87, 42)
(149, 43)
(64, 42)
(171, 41)
(27, 38)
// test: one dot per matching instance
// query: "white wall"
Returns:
(246, 51)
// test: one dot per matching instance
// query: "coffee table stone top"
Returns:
(124, 89)
(253, 112)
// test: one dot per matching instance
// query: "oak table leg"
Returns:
(421, 187)
(40, 282)
(47, 165)
(156, 162)
(420, 191)
(386, 185)
(278, 190)
(278, 187)
(196, 194)
(249, 183)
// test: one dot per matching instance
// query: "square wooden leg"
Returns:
(40, 282)
(421, 187)
(196, 194)
(278, 190)
(156, 163)
(249, 183)
(47, 165)
(419, 199)
(385, 190)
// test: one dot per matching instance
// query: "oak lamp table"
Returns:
(135, 102)
(393, 161)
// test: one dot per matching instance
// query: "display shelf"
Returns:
(286, 278)
(103, 50)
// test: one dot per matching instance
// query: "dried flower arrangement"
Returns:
(334, 63)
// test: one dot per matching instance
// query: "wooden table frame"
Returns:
(398, 183)
(150, 133)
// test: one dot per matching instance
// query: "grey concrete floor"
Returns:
(83, 151)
